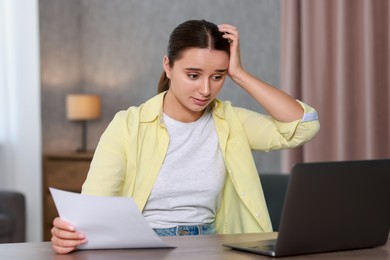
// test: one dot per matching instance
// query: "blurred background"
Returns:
(114, 49)
(332, 54)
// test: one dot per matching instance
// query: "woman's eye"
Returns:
(217, 77)
(193, 76)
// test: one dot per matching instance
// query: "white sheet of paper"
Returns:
(107, 222)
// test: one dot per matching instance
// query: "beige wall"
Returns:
(115, 48)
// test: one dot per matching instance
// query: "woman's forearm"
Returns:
(277, 103)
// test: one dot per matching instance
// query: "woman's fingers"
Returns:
(230, 32)
(65, 234)
(62, 224)
(62, 246)
(62, 250)
(227, 28)
(63, 242)
(64, 237)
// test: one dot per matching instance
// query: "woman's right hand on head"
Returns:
(65, 238)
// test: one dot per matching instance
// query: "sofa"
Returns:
(12, 217)
(274, 188)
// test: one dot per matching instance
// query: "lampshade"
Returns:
(82, 107)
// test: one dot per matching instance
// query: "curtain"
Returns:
(20, 113)
(335, 57)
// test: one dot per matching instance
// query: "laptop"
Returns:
(331, 206)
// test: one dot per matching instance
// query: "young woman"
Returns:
(184, 156)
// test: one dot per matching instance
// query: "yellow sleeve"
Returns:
(265, 133)
(108, 167)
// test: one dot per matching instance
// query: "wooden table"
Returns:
(195, 247)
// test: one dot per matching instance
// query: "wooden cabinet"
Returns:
(66, 171)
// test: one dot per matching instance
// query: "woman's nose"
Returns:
(205, 88)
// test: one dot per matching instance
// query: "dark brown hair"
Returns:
(192, 34)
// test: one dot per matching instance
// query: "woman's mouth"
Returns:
(200, 102)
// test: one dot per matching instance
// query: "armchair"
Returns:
(275, 189)
(12, 217)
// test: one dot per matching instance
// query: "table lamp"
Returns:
(83, 108)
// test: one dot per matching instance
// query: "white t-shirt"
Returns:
(188, 188)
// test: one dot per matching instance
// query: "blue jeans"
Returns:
(205, 229)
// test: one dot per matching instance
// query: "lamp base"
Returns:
(83, 148)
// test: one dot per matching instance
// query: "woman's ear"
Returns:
(166, 67)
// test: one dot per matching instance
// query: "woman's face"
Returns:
(196, 79)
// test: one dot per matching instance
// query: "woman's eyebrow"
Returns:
(194, 69)
(221, 70)
(198, 69)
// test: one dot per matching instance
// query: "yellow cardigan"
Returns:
(131, 151)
